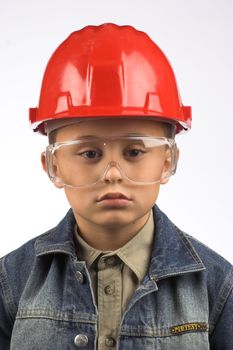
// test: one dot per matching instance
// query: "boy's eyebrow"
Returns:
(78, 137)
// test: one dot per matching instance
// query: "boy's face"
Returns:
(112, 213)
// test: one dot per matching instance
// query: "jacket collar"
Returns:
(59, 239)
(172, 252)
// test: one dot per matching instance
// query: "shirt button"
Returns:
(109, 290)
(79, 277)
(111, 261)
(81, 340)
(101, 264)
(110, 342)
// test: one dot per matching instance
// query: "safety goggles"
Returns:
(87, 161)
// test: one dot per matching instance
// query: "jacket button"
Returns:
(79, 277)
(81, 340)
(110, 342)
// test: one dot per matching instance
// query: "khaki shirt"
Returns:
(115, 276)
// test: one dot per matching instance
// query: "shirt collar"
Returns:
(85, 252)
(135, 253)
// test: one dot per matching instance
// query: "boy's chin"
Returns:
(116, 220)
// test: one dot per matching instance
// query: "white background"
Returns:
(197, 37)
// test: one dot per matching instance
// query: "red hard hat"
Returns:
(109, 71)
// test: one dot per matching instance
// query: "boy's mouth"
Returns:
(113, 196)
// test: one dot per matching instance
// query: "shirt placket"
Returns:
(109, 295)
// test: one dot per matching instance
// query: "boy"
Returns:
(115, 273)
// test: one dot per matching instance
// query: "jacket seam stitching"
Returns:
(221, 301)
(7, 292)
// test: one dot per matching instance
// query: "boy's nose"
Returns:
(113, 173)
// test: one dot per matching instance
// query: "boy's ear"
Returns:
(168, 165)
(43, 162)
(44, 166)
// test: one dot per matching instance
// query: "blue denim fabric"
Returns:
(185, 301)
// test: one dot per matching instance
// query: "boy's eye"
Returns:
(134, 152)
(90, 154)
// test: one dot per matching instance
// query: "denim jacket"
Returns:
(184, 302)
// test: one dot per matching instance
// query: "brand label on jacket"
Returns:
(189, 327)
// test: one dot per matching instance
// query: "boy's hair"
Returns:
(169, 132)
